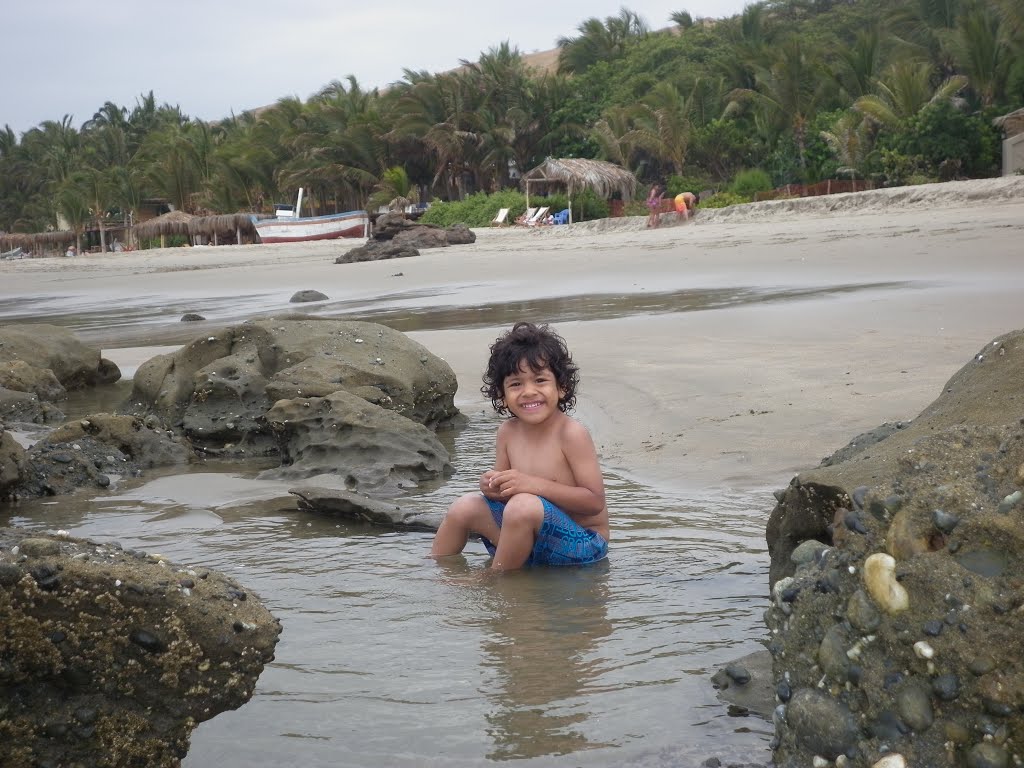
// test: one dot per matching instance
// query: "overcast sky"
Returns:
(218, 57)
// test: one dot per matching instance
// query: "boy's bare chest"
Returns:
(543, 459)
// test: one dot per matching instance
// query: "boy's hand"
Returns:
(509, 482)
(488, 487)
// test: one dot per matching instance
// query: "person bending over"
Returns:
(543, 503)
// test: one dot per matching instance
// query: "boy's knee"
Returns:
(524, 508)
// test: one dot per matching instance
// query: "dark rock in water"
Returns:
(300, 297)
(191, 317)
(363, 509)
(87, 676)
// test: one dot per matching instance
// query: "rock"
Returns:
(13, 464)
(300, 297)
(374, 450)
(394, 226)
(95, 673)
(377, 250)
(931, 585)
(26, 407)
(74, 364)
(191, 317)
(218, 388)
(23, 377)
(145, 446)
(821, 724)
(363, 509)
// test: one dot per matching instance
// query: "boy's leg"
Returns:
(469, 514)
(521, 522)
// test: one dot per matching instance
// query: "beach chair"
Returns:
(538, 217)
(526, 216)
(562, 217)
(501, 220)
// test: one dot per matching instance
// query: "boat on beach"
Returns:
(288, 226)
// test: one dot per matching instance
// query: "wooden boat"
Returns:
(288, 226)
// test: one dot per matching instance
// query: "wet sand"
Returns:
(730, 352)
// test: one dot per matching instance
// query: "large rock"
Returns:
(13, 465)
(112, 658)
(74, 364)
(372, 449)
(17, 406)
(218, 388)
(912, 618)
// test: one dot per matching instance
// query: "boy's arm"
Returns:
(501, 463)
(584, 499)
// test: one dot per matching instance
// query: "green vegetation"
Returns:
(884, 90)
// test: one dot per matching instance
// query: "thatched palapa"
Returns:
(212, 227)
(171, 223)
(577, 174)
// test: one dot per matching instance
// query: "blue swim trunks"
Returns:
(561, 540)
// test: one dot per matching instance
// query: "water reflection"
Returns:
(542, 650)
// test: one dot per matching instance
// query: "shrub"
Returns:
(749, 183)
(724, 200)
(478, 210)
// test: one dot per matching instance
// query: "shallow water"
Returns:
(390, 658)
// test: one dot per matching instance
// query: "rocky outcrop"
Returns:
(898, 585)
(373, 449)
(111, 658)
(329, 396)
(73, 364)
(402, 231)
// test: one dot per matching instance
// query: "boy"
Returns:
(543, 503)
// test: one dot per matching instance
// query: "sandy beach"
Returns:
(729, 352)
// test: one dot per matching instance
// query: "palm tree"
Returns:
(600, 41)
(663, 126)
(904, 91)
(984, 52)
(851, 142)
(787, 94)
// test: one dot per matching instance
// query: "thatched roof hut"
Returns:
(212, 227)
(577, 174)
(171, 223)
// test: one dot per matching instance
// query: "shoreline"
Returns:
(749, 344)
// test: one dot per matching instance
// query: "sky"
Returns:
(215, 58)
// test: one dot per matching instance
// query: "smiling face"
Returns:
(531, 395)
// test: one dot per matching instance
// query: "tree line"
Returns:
(898, 91)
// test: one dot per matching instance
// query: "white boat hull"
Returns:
(295, 230)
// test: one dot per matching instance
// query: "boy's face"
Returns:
(531, 395)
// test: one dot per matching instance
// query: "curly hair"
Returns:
(538, 346)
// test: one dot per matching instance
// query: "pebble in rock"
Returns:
(946, 687)
(832, 656)
(738, 674)
(891, 761)
(880, 580)
(862, 614)
(807, 552)
(987, 755)
(821, 724)
(915, 707)
(944, 521)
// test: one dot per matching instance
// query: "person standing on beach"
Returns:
(654, 205)
(543, 503)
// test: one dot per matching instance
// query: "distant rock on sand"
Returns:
(900, 631)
